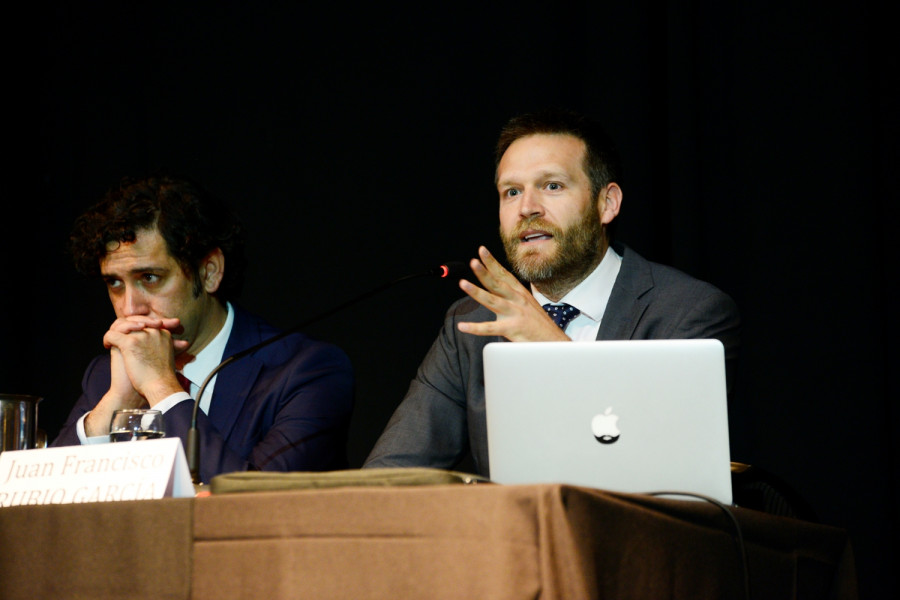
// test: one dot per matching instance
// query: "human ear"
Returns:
(610, 203)
(212, 270)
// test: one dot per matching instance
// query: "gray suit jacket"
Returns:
(442, 416)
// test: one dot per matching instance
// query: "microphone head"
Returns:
(453, 269)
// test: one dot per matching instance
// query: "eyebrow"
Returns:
(546, 174)
(135, 271)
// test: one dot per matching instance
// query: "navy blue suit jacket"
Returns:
(286, 407)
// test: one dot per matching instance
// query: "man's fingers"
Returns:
(172, 324)
(486, 328)
(491, 263)
(485, 277)
(138, 322)
(118, 338)
(495, 267)
(112, 338)
(493, 276)
(126, 326)
(482, 297)
(515, 330)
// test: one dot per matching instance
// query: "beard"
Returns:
(579, 249)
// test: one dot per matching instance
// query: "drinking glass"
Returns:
(136, 424)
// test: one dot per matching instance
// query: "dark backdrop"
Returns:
(760, 144)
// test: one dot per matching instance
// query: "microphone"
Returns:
(448, 270)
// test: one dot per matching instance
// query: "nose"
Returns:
(134, 302)
(530, 204)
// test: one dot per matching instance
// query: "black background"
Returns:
(759, 140)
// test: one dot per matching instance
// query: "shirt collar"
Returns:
(592, 294)
(208, 359)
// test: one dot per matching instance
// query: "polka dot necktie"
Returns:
(561, 313)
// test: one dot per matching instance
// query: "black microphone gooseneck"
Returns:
(446, 271)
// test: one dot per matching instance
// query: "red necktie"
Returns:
(184, 381)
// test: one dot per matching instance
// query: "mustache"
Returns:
(534, 222)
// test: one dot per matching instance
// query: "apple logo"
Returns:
(604, 427)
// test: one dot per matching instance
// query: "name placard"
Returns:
(144, 470)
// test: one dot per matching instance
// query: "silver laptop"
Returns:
(630, 416)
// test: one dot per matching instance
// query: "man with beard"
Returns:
(172, 257)
(556, 177)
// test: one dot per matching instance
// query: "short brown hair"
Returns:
(602, 163)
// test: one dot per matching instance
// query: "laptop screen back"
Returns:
(630, 416)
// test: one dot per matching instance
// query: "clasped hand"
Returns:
(142, 367)
(519, 316)
(142, 358)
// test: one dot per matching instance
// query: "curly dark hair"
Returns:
(602, 163)
(192, 222)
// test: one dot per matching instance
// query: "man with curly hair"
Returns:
(171, 255)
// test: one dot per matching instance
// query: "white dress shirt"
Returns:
(590, 297)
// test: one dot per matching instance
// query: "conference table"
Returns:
(430, 541)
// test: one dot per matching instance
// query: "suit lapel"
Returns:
(234, 382)
(628, 300)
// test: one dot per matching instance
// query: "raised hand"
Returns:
(519, 316)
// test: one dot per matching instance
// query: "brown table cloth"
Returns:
(133, 549)
(445, 541)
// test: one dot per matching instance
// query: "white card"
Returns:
(144, 470)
